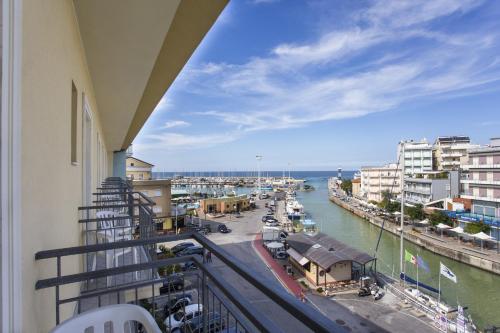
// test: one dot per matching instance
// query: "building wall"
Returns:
(225, 205)
(159, 192)
(53, 57)
(417, 157)
(376, 180)
(356, 188)
(137, 169)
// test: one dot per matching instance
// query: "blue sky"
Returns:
(326, 84)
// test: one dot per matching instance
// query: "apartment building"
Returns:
(137, 169)
(448, 151)
(356, 187)
(417, 156)
(159, 191)
(376, 180)
(80, 79)
(481, 182)
(426, 187)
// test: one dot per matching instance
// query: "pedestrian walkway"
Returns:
(278, 270)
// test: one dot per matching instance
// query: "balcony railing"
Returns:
(214, 294)
(121, 266)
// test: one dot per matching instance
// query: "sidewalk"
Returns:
(276, 268)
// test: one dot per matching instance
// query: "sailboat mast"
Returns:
(402, 158)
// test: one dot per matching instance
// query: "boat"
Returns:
(309, 226)
(294, 210)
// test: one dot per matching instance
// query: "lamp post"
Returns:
(259, 158)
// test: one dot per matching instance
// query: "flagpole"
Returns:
(439, 287)
(417, 274)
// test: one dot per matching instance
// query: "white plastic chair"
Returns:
(117, 314)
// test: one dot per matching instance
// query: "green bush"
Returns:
(319, 290)
(439, 217)
(475, 227)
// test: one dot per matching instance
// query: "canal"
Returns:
(477, 289)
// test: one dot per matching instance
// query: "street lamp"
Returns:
(259, 158)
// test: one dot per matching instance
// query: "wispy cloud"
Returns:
(178, 141)
(391, 54)
(176, 123)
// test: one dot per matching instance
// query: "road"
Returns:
(354, 314)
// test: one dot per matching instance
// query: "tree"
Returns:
(475, 227)
(416, 212)
(439, 217)
(346, 186)
(388, 204)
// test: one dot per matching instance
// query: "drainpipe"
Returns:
(119, 163)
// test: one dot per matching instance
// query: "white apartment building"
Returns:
(449, 150)
(427, 187)
(418, 156)
(376, 180)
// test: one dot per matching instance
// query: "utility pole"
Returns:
(402, 163)
(259, 158)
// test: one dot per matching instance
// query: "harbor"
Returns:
(476, 288)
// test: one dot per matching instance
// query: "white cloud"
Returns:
(178, 141)
(390, 55)
(176, 123)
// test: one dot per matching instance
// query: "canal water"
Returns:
(477, 289)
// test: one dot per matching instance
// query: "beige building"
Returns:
(80, 80)
(225, 204)
(376, 180)
(137, 169)
(356, 187)
(449, 151)
(159, 192)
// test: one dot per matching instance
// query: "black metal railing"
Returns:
(221, 304)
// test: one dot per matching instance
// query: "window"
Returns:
(74, 119)
(132, 164)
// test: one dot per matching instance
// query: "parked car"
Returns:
(188, 266)
(176, 303)
(269, 218)
(215, 323)
(175, 282)
(281, 255)
(175, 321)
(223, 229)
(197, 249)
(272, 224)
(181, 246)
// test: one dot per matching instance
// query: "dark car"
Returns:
(215, 323)
(364, 292)
(281, 255)
(181, 246)
(196, 249)
(268, 218)
(176, 303)
(223, 229)
(174, 283)
(188, 266)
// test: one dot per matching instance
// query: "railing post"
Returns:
(57, 290)
(204, 300)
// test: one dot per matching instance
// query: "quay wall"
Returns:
(476, 260)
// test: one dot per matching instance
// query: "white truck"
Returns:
(270, 234)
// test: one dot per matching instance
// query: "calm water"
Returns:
(477, 289)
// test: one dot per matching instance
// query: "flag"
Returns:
(410, 257)
(422, 264)
(447, 272)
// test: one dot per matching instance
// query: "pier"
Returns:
(450, 248)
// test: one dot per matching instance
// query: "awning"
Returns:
(297, 257)
(458, 230)
(482, 236)
(443, 226)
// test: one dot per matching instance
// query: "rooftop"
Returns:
(325, 250)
